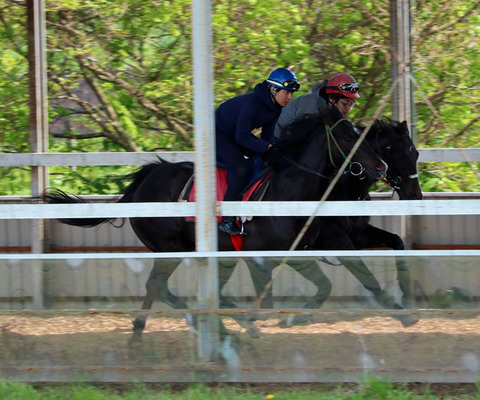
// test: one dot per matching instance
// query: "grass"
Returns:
(370, 390)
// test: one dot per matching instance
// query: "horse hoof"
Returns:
(408, 320)
(293, 320)
(138, 324)
(253, 331)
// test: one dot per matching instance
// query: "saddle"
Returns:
(253, 192)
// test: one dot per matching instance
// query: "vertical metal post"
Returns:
(401, 60)
(403, 105)
(206, 225)
(38, 126)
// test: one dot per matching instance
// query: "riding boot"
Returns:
(228, 225)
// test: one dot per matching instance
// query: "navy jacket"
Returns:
(240, 115)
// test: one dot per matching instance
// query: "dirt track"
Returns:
(344, 347)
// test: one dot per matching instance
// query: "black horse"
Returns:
(319, 142)
(392, 142)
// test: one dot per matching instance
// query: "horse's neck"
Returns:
(305, 178)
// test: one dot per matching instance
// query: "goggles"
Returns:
(348, 104)
(345, 87)
(286, 84)
(291, 85)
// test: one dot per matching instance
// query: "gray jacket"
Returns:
(300, 106)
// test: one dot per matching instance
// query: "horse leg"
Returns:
(157, 287)
(260, 274)
(337, 234)
(380, 238)
(310, 270)
(365, 276)
(360, 271)
(225, 271)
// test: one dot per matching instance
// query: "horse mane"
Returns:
(295, 136)
(140, 174)
(382, 125)
(297, 133)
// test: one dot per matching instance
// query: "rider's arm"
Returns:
(246, 122)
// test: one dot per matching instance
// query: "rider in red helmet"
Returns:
(340, 91)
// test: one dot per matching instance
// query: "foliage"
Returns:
(120, 73)
(371, 389)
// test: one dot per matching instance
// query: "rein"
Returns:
(329, 133)
(311, 171)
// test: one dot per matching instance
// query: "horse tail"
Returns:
(57, 196)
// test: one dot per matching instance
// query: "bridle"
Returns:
(352, 164)
(330, 138)
(394, 183)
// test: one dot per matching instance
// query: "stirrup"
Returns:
(229, 225)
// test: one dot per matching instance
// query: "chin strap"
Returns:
(272, 95)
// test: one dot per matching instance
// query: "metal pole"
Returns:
(38, 126)
(401, 60)
(206, 225)
(403, 106)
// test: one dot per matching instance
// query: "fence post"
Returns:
(403, 105)
(205, 225)
(38, 125)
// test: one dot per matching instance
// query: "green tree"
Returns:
(120, 73)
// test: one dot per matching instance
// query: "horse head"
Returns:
(342, 137)
(393, 143)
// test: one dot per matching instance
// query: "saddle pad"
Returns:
(222, 183)
(221, 180)
(252, 191)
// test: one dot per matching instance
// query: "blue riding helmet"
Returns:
(283, 78)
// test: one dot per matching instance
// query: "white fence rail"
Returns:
(78, 159)
(294, 208)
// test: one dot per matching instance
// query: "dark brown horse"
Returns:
(392, 142)
(319, 142)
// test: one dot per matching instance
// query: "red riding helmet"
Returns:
(343, 84)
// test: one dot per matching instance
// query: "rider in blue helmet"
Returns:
(283, 78)
(245, 130)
